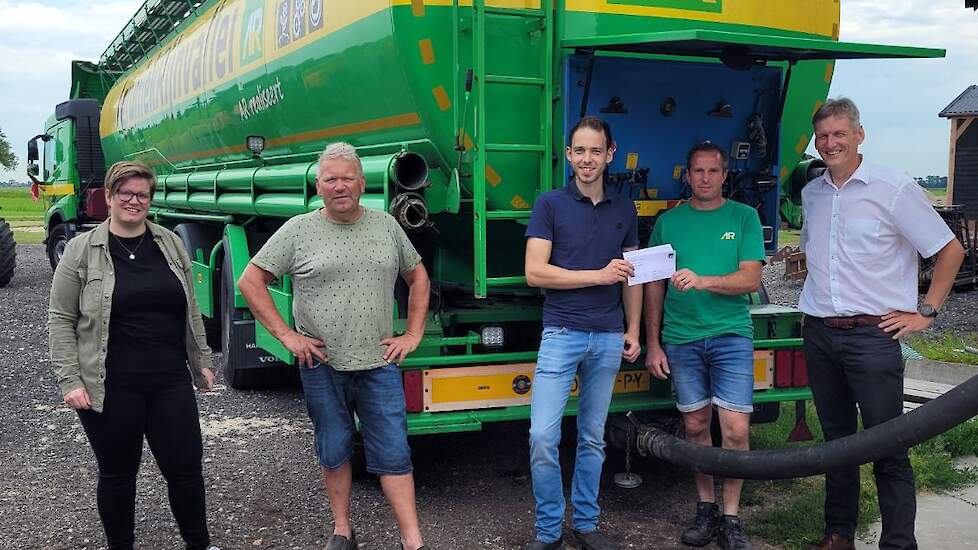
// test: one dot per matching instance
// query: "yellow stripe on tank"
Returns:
(820, 17)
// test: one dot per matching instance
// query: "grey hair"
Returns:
(340, 151)
(840, 106)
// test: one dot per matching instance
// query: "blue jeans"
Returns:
(377, 397)
(718, 370)
(594, 357)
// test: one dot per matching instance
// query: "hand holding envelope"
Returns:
(652, 264)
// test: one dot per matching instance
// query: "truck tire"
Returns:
(194, 236)
(238, 353)
(8, 253)
(57, 240)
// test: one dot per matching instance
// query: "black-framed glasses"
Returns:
(128, 196)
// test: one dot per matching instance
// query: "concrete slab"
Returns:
(944, 521)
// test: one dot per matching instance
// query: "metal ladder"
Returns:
(482, 16)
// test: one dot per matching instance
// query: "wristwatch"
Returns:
(927, 310)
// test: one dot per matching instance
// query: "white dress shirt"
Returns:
(862, 239)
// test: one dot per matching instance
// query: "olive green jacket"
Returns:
(81, 304)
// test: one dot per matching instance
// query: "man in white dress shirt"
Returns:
(864, 228)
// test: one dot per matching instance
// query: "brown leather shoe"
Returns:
(833, 541)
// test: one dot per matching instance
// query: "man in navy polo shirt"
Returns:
(574, 247)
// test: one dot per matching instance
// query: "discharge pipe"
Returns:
(898, 434)
(410, 210)
(408, 170)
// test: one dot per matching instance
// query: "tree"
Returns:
(7, 158)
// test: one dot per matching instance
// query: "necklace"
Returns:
(132, 253)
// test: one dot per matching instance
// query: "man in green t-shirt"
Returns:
(344, 261)
(706, 330)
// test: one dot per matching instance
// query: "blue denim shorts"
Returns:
(718, 370)
(377, 398)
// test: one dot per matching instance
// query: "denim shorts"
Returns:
(718, 370)
(377, 398)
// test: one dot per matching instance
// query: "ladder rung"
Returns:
(505, 281)
(508, 214)
(514, 147)
(539, 14)
(521, 80)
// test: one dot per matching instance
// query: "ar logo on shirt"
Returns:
(728, 236)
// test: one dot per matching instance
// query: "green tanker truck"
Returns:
(458, 109)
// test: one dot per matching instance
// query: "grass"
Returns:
(938, 195)
(23, 214)
(789, 237)
(790, 513)
(947, 347)
(16, 204)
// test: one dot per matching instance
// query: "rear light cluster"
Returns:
(790, 370)
(413, 391)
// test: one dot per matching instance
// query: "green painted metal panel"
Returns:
(203, 275)
(281, 293)
(462, 421)
(237, 248)
(763, 47)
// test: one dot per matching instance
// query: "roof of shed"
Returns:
(965, 104)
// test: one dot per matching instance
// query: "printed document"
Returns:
(652, 264)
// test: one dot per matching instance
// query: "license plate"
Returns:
(487, 386)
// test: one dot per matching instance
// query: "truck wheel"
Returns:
(8, 253)
(239, 354)
(57, 240)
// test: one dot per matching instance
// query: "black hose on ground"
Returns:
(929, 420)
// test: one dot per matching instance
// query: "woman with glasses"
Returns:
(126, 341)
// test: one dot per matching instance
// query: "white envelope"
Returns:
(652, 264)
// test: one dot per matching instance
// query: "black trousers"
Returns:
(861, 367)
(167, 417)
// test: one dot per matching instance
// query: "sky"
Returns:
(899, 99)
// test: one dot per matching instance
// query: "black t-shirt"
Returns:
(147, 327)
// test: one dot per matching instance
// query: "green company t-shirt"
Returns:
(713, 243)
(343, 281)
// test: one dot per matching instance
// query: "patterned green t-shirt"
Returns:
(712, 243)
(343, 281)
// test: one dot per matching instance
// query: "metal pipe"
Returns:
(409, 171)
(194, 217)
(410, 210)
(896, 435)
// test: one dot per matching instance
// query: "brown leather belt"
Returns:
(849, 322)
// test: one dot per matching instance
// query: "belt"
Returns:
(849, 322)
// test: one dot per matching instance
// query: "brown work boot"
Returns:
(833, 541)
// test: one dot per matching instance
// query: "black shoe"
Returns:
(537, 545)
(732, 536)
(339, 542)
(594, 540)
(705, 527)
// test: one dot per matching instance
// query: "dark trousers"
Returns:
(167, 417)
(861, 366)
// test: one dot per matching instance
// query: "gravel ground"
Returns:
(263, 485)
(959, 315)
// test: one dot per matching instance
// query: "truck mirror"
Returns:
(32, 152)
(32, 170)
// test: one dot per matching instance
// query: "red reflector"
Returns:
(800, 368)
(413, 391)
(782, 368)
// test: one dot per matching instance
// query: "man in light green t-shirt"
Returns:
(706, 331)
(344, 261)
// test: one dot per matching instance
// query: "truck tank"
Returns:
(388, 76)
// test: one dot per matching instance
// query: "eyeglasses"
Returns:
(128, 196)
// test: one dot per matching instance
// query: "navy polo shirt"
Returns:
(584, 235)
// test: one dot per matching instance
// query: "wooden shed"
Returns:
(962, 171)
